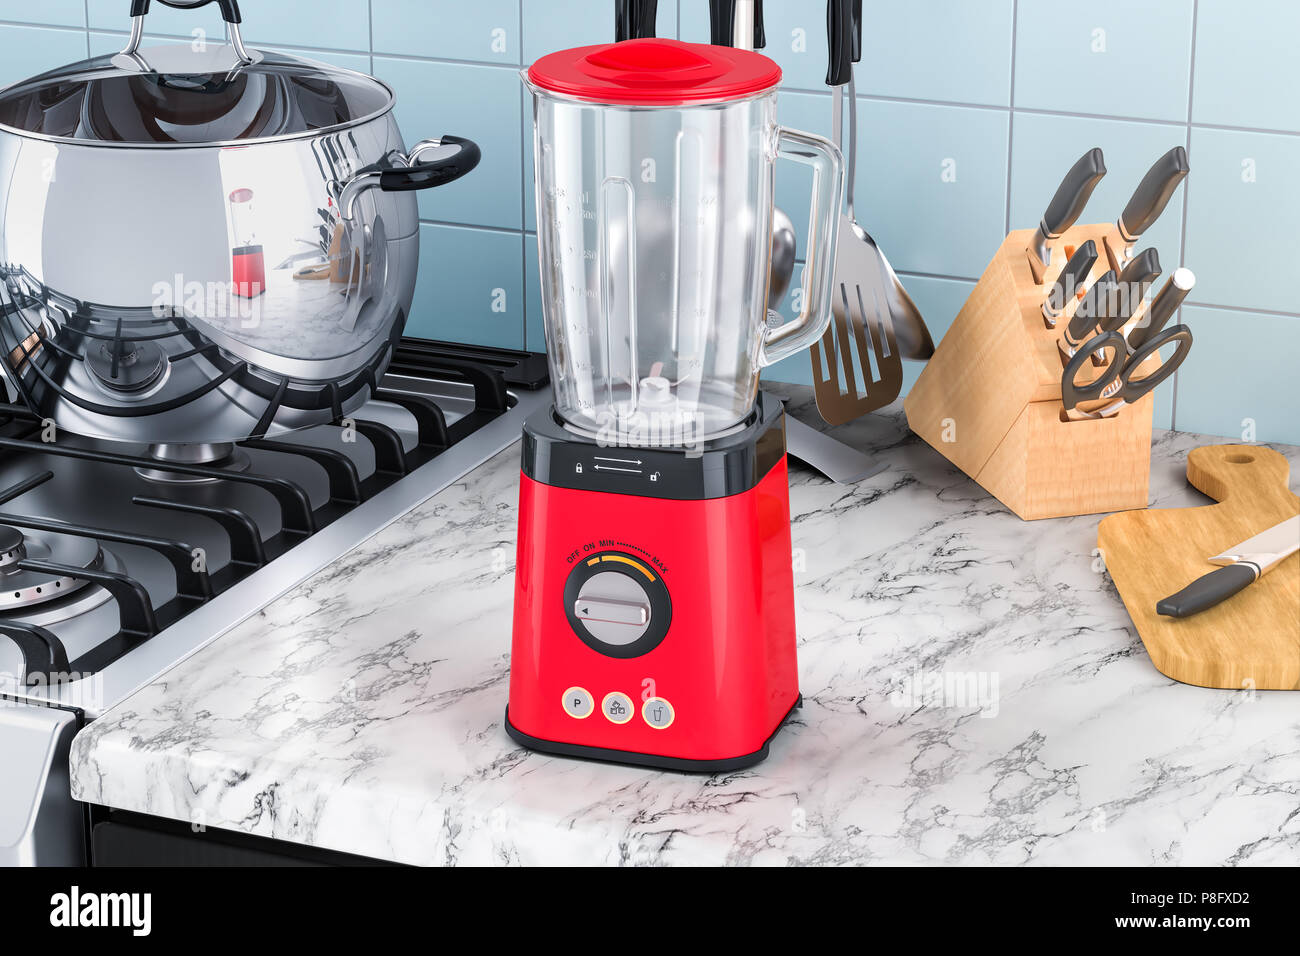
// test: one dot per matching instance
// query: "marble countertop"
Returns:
(362, 712)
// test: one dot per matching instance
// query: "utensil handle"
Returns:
(1208, 590)
(229, 8)
(839, 40)
(1132, 389)
(1072, 394)
(415, 175)
(229, 13)
(635, 19)
(1152, 194)
(827, 165)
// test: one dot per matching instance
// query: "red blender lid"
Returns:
(655, 73)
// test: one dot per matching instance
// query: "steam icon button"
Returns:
(658, 713)
(617, 708)
(578, 703)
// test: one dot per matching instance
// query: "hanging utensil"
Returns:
(861, 329)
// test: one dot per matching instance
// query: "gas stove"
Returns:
(117, 561)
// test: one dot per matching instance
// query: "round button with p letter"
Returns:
(578, 703)
(617, 707)
(658, 713)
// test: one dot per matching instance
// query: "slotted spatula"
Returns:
(860, 341)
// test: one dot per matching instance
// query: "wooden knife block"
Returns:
(989, 399)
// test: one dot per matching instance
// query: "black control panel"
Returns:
(731, 465)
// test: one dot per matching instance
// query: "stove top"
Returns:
(117, 560)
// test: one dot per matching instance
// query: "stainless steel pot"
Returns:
(199, 246)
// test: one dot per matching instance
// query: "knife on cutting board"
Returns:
(1067, 205)
(1150, 199)
(1163, 306)
(1243, 565)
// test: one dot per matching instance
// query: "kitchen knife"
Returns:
(1069, 282)
(1244, 564)
(1163, 306)
(1067, 205)
(1151, 197)
(1134, 281)
(1096, 306)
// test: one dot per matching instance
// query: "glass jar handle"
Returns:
(827, 164)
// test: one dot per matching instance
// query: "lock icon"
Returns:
(578, 468)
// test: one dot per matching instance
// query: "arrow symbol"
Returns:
(621, 461)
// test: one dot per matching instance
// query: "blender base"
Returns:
(654, 618)
(655, 761)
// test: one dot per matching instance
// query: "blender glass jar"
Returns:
(655, 164)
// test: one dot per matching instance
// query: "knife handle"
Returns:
(1163, 306)
(1068, 203)
(839, 39)
(760, 32)
(1134, 281)
(1069, 282)
(1209, 590)
(1152, 195)
(1095, 306)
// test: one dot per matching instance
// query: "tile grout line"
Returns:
(1011, 113)
(370, 25)
(1187, 188)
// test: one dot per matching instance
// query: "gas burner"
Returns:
(21, 588)
(127, 365)
(224, 455)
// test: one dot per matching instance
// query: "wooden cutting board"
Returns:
(1251, 640)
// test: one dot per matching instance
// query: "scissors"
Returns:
(1118, 385)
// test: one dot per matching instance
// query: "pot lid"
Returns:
(177, 96)
(655, 72)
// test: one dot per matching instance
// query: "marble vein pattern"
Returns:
(974, 694)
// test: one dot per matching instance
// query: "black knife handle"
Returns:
(839, 39)
(1134, 281)
(760, 32)
(1073, 193)
(1163, 307)
(1209, 590)
(1152, 195)
(1095, 306)
(1070, 280)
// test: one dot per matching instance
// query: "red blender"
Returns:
(654, 597)
(247, 265)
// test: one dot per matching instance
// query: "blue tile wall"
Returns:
(970, 112)
(63, 13)
(1112, 57)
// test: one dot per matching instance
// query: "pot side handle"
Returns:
(415, 174)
